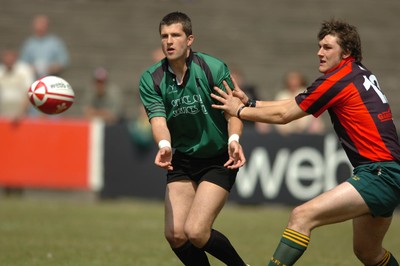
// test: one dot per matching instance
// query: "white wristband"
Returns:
(164, 143)
(233, 137)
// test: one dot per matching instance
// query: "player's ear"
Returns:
(345, 54)
(190, 40)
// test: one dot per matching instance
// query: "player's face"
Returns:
(330, 53)
(174, 42)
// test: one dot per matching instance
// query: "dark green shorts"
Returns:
(379, 185)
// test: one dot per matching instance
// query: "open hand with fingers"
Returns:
(230, 101)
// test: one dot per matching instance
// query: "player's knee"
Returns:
(299, 219)
(197, 235)
(297, 216)
(175, 238)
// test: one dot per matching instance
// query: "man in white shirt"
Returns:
(15, 79)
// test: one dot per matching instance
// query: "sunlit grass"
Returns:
(58, 231)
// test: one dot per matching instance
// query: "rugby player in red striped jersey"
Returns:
(362, 119)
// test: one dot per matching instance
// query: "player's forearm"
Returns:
(235, 126)
(272, 112)
(160, 129)
(264, 114)
(269, 103)
(275, 112)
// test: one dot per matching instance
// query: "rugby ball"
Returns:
(51, 95)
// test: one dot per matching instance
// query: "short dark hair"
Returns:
(177, 17)
(348, 37)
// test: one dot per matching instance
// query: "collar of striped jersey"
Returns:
(342, 63)
(189, 60)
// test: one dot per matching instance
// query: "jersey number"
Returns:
(373, 82)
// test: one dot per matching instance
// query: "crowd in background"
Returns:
(44, 53)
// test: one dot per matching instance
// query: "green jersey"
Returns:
(196, 128)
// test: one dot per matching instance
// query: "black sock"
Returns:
(220, 247)
(191, 255)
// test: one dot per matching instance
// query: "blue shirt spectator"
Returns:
(46, 52)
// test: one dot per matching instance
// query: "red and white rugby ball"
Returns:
(51, 95)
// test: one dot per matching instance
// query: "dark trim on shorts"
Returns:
(202, 169)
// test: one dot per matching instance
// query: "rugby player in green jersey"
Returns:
(198, 145)
(362, 119)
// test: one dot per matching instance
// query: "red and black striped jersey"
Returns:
(359, 111)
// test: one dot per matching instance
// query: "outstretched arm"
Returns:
(273, 112)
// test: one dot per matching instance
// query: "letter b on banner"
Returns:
(295, 174)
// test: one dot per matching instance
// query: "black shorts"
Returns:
(198, 170)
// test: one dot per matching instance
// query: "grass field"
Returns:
(79, 232)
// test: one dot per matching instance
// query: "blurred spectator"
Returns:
(46, 52)
(140, 128)
(157, 55)
(103, 98)
(15, 79)
(295, 82)
(251, 91)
